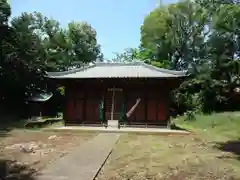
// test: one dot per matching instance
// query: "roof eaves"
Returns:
(134, 63)
(173, 72)
(56, 74)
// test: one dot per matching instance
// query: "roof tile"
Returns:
(118, 70)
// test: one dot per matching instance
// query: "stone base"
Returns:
(113, 123)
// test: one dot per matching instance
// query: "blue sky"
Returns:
(117, 22)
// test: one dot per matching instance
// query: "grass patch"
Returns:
(56, 124)
(214, 127)
(10, 124)
(210, 153)
(167, 158)
(43, 123)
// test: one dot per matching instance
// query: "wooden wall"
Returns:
(83, 99)
(81, 107)
(152, 109)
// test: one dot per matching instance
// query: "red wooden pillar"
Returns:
(68, 113)
(146, 105)
(65, 108)
(161, 110)
(84, 105)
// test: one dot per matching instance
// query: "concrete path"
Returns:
(160, 131)
(84, 162)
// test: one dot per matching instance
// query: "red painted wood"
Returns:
(92, 110)
(69, 116)
(78, 111)
(138, 114)
(79, 95)
(157, 106)
(129, 105)
(96, 109)
(151, 110)
(140, 111)
(161, 111)
(89, 110)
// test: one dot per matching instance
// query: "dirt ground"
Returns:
(25, 152)
(135, 157)
(152, 157)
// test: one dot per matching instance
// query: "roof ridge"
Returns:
(118, 63)
(107, 64)
(92, 65)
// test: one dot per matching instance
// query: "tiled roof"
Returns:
(117, 70)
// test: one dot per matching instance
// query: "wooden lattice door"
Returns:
(113, 103)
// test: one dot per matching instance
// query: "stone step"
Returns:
(113, 123)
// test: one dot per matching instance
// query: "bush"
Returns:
(190, 116)
(41, 124)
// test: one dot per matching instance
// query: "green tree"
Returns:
(83, 40)
(154, 43)
(202, 37)
(5, 12)
(217, 80)
(34, 44)
(128, 55)
(69, 47)
(175, 34)
(21, 67)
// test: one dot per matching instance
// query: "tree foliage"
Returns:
(136, 54)
(203, 38)
(32, 44)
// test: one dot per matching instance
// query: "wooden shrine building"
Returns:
(127, 93)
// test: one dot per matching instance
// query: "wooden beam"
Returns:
(104, 106)
(84, 105)
(145, 105)
(113, 96)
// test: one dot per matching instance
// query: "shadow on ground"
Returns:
(175, 127)
(229, 146)
(7, 124)
(11, 170)
(4, 132)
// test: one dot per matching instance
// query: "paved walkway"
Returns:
(84, 162)
(160, 131)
